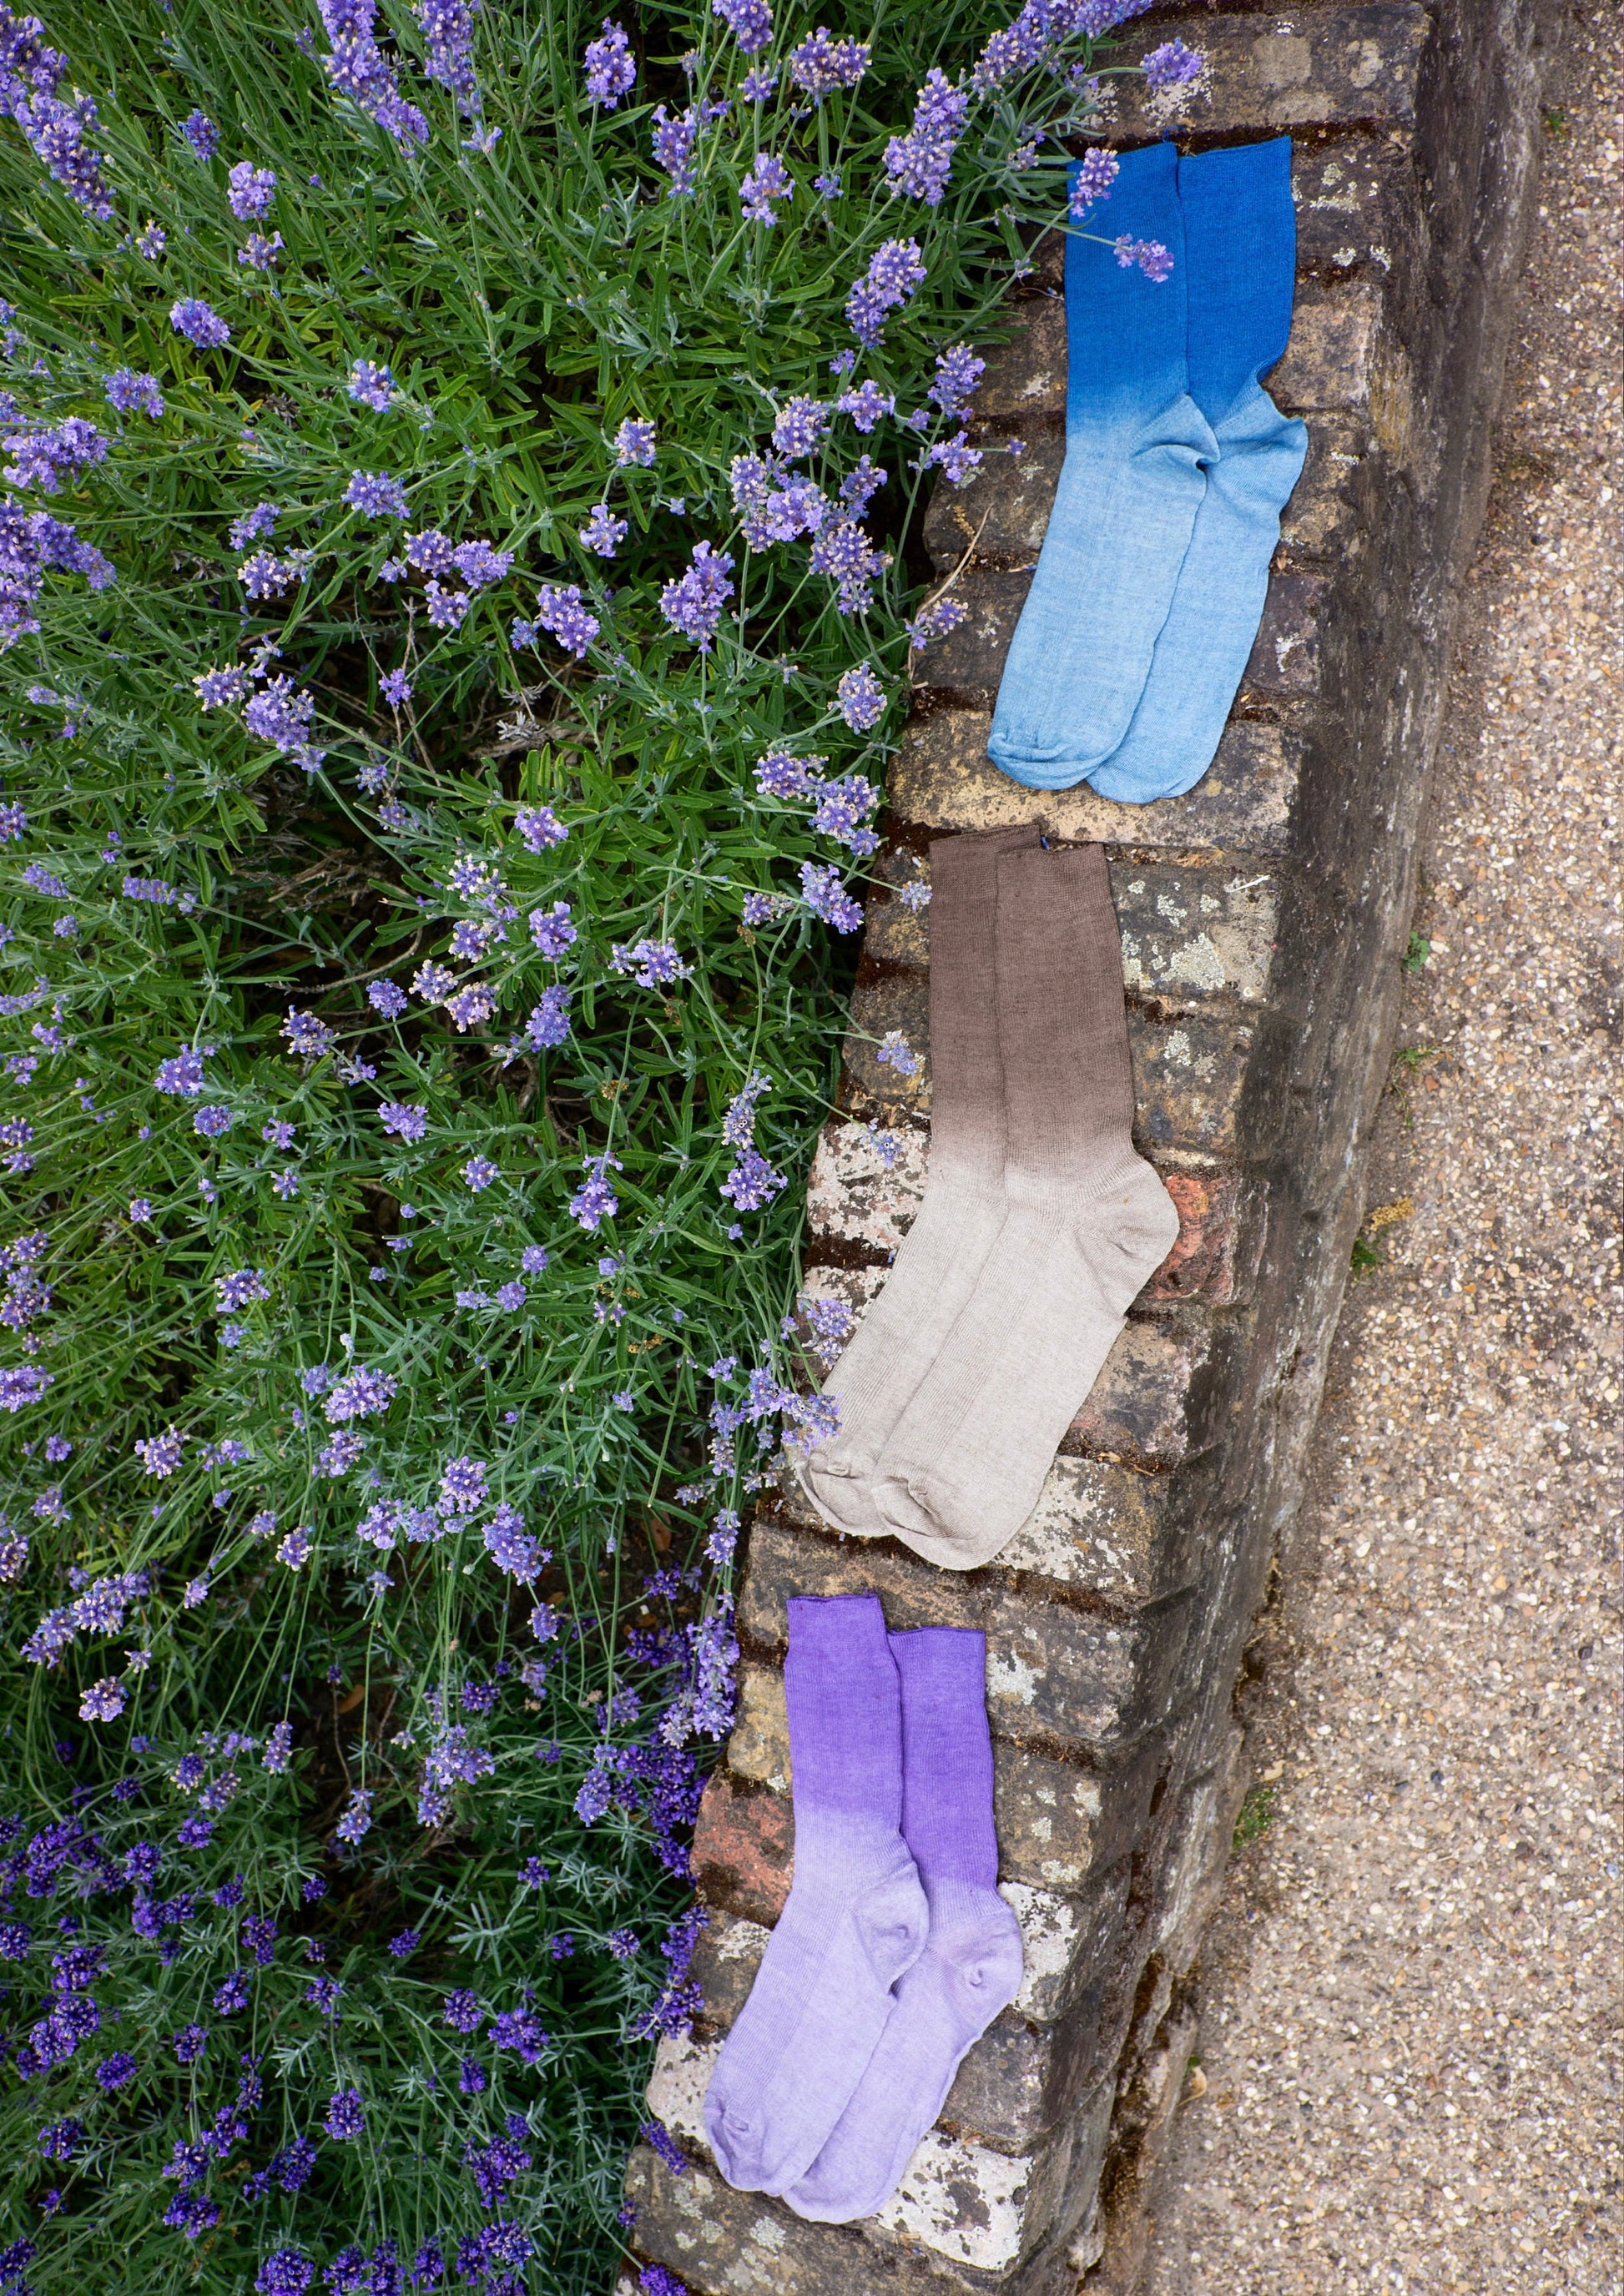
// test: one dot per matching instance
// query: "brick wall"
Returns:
(1262, 919)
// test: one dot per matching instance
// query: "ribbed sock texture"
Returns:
(1089, 1222)
(1240, 249)
(857, 1917)
(1133, 479)
(972, 1964)
(964, 1205)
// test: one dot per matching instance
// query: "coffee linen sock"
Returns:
(972, 1964)
(963, 1206)
(1132, 482)
(1240, 254)
(1089, 1223)
(856, 1918)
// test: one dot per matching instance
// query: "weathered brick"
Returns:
(1331, 356)
(1097, 1527)
(1195, 933)
(1317, 66)
(1068, 1676)
(1153, 1403)
(943, 778)
(1356, 201)
(743, 1848)
(1285, 659)
(1000, 514)
(725, 2243)
(969, 661)
(1025, 381)
(894, 932)
(899, 1002)
(1052, 1818)
(1188, 1080)
(1221, 1239)
(854, 1195)
(1321, 520)
(1193, 1866)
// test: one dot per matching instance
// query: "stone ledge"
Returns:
(942, 778)
(1315, 68)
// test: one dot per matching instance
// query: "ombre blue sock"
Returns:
(1241, 255)
(1136, 445)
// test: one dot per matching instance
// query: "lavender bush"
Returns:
(455, 607)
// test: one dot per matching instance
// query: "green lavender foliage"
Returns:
(528, 293)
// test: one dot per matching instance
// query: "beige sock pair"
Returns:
(1040, 1224)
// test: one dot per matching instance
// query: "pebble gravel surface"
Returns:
(1408, 2076)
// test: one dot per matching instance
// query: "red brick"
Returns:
(1212, 1259)
(743, 1849)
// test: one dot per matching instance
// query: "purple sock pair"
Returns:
(895, 1951)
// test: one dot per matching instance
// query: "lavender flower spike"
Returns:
(611, 73)
(357, 70)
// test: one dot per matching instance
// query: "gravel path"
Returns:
(1409, 2059)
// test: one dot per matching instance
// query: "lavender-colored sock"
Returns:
(971, 1963)
(856, 1917)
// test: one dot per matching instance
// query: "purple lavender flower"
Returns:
(462, 1485)
(842, 809)
(934, 621)
(560, 612)
(757, 85)
(674, 142)
(867, 404)
(199, 324)
(548, 1026)
(469, 1009)
(384, 997)
(284, 2273)
(917, 164)
(309, 1037)
(357, 70)
(652, 963)
(635, 443)
(750, 23)
(103, 1701)
(1151, 258)
(210, 1122)
(752, 1183)
(800, 425)
(861, 699)
(769, 179)
(778, 774)
(134, 394)
(479, 1172)
(201, 132)
(895, 1052)
(151, 241)
(1171, 65)
(182, 1075)
(345, 2119)
(827, 897)
(43, 458)
(540, 827)
(958, 370)
(1096, 173)
(843, 551)
(363, 1394)
(603, 532)
(447, 27)
(293, 1551)
(160, 1455)
(820, 65)
(595, 1199)
(249, 191)
(375, 495)
(957, 460)
(114, 2072)
(611, 73)
(373, 386)
(694, 605)
(258, 253)
(551, 929)
(893, 275)
(30, 74)
(282, 715)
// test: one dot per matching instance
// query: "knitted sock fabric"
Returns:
(1136, 448)
(856, 1917)
(963, 1207)
(1240, 249)
(972, 1964)
(1089, 1223)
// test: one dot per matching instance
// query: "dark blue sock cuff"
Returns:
(1240, 249)
(1124, 333)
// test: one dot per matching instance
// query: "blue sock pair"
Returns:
(1150, 586)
